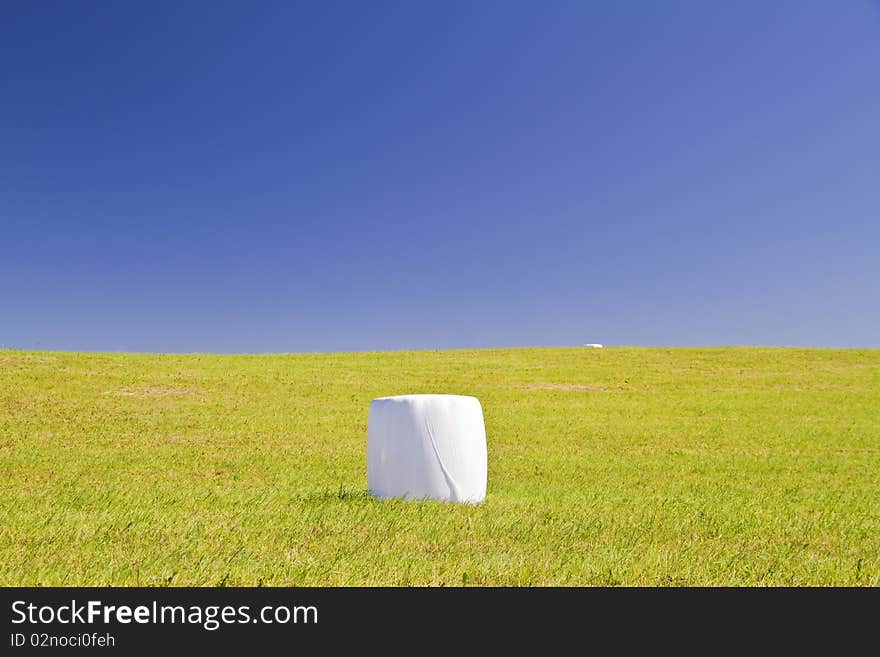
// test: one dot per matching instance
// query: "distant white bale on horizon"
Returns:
(427, 447)
(594, 345)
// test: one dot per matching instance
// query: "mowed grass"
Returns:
(723, 466)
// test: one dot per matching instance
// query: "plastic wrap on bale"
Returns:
(427, 447)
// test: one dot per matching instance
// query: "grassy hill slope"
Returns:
(616, 466)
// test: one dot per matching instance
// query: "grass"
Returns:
(723, 466)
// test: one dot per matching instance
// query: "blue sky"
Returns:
(283, 176)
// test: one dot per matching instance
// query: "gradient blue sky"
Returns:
(283, 176)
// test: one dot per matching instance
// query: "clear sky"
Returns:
(286, 176)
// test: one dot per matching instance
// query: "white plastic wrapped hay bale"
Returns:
(427, 447)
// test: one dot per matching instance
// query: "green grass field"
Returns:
(723, 466)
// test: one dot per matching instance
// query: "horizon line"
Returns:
(591, 347)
